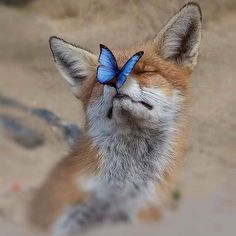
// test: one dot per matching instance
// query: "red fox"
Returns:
(134, 137)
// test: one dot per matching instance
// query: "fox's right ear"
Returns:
(179, 40)
(76, 65)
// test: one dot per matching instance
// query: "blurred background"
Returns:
(40, 118)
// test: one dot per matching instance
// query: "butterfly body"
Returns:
(108, 70)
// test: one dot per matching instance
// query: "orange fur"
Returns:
(60, 188)
(86, 89)
(149, 214)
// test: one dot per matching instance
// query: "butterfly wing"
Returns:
(127, 68)
(105, 74)
(108, 68)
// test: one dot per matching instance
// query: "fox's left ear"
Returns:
(76, 65)
(179, 39)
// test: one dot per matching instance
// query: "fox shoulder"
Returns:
(63, 186)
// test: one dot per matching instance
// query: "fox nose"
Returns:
(112, 83)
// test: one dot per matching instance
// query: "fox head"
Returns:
(155, 91)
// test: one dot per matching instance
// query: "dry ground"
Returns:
(27, 74)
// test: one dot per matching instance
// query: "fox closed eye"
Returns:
(148, 73)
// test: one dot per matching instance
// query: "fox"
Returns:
(135, 136)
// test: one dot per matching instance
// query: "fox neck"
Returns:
(134, 157)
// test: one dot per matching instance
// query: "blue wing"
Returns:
(107, 68)
(127, 68)
(105, 74)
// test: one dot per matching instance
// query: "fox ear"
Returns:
(75, 64)
(179, 39)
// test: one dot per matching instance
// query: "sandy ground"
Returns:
(27, 74)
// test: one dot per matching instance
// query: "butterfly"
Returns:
(108, 68)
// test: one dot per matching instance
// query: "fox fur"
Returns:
(134, 138)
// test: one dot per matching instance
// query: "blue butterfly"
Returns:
(108, 68)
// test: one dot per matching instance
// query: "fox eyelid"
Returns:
(153, 72)
(146, 72)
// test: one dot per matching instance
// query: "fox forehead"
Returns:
(152, 71)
